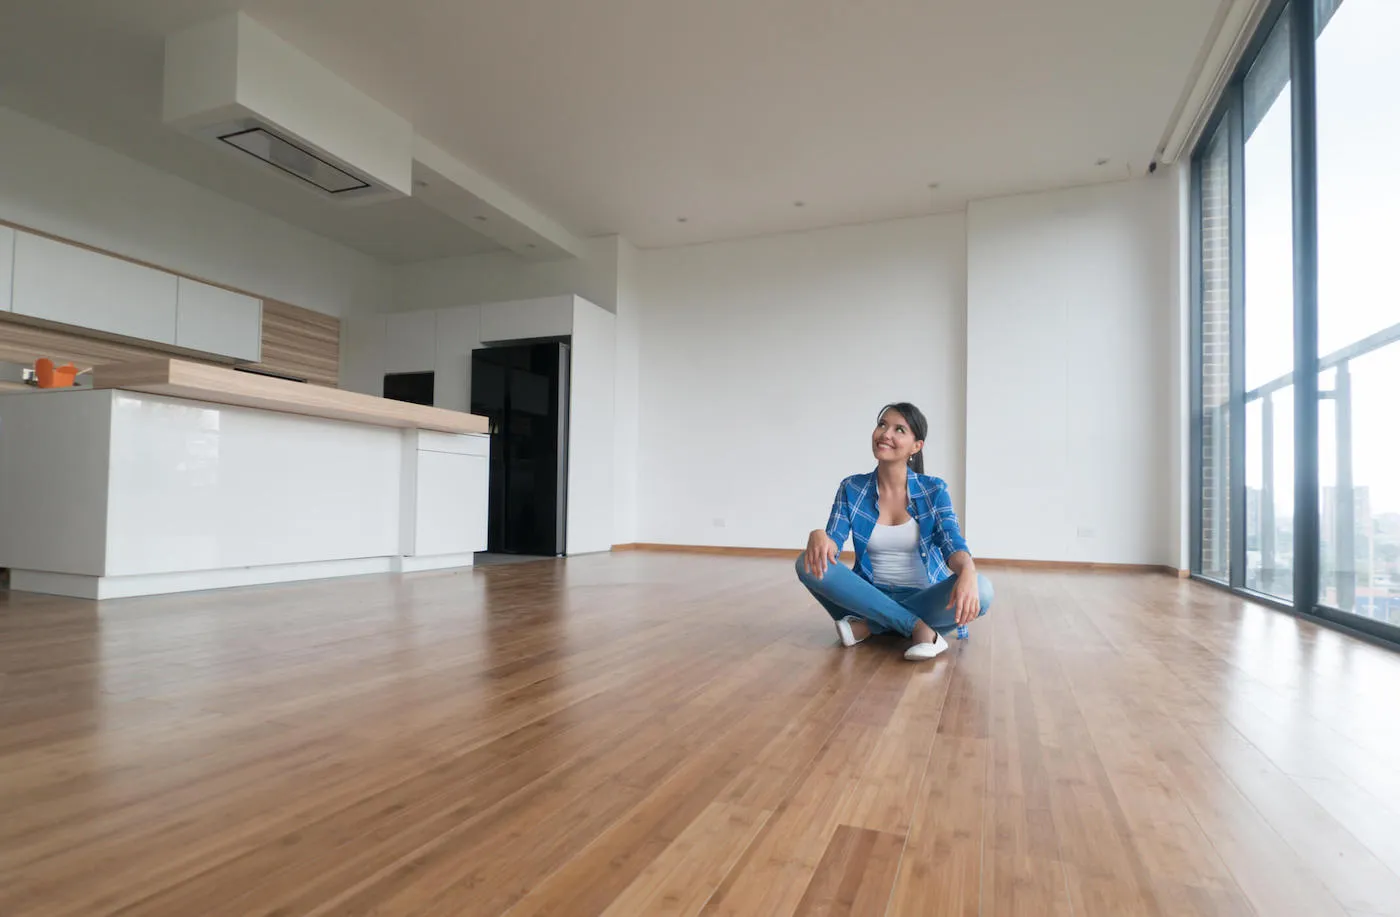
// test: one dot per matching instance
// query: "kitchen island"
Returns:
(170, 476)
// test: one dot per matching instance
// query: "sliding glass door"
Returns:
(1296, 276)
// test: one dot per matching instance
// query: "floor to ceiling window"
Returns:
(1320, 119)
(1358, 190)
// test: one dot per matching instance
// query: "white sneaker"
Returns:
(921, 651)
(844, 631)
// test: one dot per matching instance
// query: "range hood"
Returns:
(240, 88)
(263, 143)
(235, 84)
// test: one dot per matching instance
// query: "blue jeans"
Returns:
(843, 592)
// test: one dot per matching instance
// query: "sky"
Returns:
(1359, 251)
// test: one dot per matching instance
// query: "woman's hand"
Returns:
(965, 600)
(821, 551)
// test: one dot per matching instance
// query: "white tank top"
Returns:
(894, 555)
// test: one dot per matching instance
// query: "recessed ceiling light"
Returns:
(799, 203)
(1101, 162)
(682, 219)
(933, 186)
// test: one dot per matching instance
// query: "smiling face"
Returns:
(893, 440)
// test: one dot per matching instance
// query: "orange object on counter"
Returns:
(51, 376)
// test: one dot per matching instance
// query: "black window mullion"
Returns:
(1306, 548)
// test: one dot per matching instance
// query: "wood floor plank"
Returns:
(1356, 877)
(219, 798)
(1369, 820)
(537, 829)
(432, 797)
(688, 871)
(1225, 843)
(677, 735)
(885, 792)
(1022, 870)
(680, 787)
(1104, 867)
(940, 873)
(855, 875)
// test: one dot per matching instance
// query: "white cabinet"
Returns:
(76, 286)
(527, 319)
(458, 334)
(452, 499)
(7, 265)
(409, 342)
(218, 321)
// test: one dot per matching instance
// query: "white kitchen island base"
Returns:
(112, 493)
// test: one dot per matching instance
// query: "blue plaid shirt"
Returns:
(857, 511)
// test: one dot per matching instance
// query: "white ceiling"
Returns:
(622, 116)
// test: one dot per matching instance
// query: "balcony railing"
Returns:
(1344, 533)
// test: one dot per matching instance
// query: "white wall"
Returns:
(505, 277)
(1069, 380)
(591, 431)
(764, 362)
(626, 395)
(56, 182)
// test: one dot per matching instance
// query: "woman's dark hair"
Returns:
(918, 425)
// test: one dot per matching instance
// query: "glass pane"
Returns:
(1269, 493)
(1358, 130)
(1360, 525)
(1215, 359)
(1268, 317)
(1358, 90)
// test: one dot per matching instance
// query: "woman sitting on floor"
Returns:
(913, 573)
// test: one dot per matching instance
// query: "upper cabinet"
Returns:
(77, 286)
(458, 334)
(410, 342)
(72, 285)
(7, 265)
(527, 319)
(214, 320)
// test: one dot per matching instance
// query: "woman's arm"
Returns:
(838, 524)
(824, 545)
(963, 600)
(945, 528)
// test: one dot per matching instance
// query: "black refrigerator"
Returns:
(523, 390)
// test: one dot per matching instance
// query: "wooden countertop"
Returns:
(182, 379)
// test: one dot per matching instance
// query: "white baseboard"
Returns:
(435, 562)
(117, 587)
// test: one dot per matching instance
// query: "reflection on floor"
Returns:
(642, 734)
(487, 559)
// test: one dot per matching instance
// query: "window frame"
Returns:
(1306, 359)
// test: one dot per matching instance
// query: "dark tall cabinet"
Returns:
(523, 390)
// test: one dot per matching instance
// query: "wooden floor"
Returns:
(648, 734)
